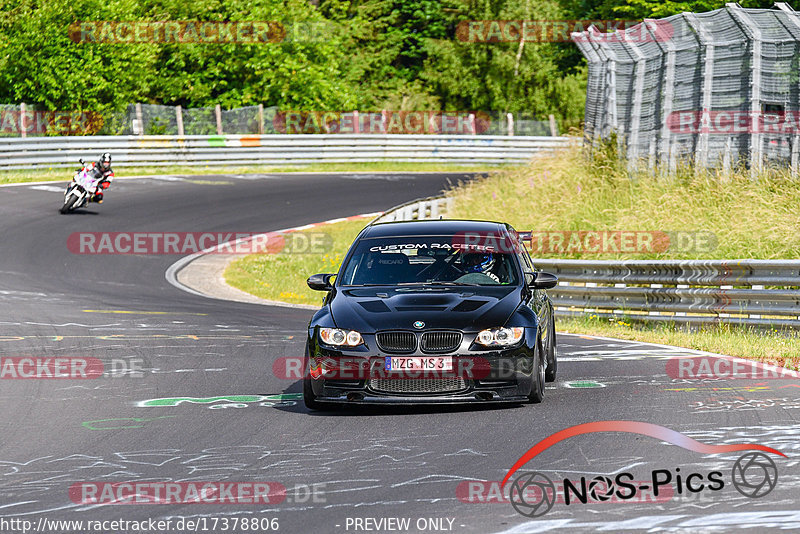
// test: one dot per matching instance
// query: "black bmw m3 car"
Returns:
(443, 311)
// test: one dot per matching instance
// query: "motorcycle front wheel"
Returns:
(68, 204)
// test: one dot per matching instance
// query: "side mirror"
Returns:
(544, 280)
(320, 282)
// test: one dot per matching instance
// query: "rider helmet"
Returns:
(105, 161)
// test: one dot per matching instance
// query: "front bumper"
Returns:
(358, 375)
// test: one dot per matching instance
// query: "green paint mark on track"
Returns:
(174, 401)
(122, 423)
(584, 384)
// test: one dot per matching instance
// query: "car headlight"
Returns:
(338, 337)
(499, 337)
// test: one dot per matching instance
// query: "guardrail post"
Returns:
(23, 126)
(179, 119)
(139, 121)
(510, 121)
(218, 115)
(553, 126)
(261, 119)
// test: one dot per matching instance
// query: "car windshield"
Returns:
(445, 260)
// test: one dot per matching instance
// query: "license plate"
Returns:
(419, 363)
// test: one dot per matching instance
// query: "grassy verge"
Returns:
(41, 175)
(566, 192)
(283, 276)
(769, 346)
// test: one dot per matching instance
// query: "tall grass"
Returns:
(566, 191)
(283, 276)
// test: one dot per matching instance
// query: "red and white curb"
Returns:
(172, 271)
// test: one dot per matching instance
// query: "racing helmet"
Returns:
(479, 262)
(105, 161)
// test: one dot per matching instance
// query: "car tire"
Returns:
(552, 353)
(537, 388)
(309, 397)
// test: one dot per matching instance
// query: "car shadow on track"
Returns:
(360, 410)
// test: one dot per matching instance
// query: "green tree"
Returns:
(41, 66)
(505, 76)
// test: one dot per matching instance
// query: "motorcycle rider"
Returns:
(100, 170)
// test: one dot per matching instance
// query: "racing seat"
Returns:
(393, 269)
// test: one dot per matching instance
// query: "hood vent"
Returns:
(469, 305)
(375, 306)
(421, 308)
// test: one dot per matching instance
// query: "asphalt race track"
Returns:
(352, 471)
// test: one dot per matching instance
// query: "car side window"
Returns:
(525, 259)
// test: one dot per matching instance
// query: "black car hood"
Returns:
(368, 310)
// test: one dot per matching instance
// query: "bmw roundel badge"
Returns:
(419, 324)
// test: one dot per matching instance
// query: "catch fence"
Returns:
(718, 89)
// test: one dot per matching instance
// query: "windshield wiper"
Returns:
(443, 283)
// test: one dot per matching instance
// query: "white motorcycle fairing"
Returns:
(78, 192)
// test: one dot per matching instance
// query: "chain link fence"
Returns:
(17, 120)
(718, 89)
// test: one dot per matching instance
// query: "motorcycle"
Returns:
(79, 190)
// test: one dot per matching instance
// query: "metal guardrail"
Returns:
(746, 292)
(202, 150)
(417, 210)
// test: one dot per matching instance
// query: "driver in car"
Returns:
(482, 263)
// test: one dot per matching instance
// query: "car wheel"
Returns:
(552, 353)
(537, 389)
(309, 397)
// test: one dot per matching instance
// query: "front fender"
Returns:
(322, 318)
(523, 316)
